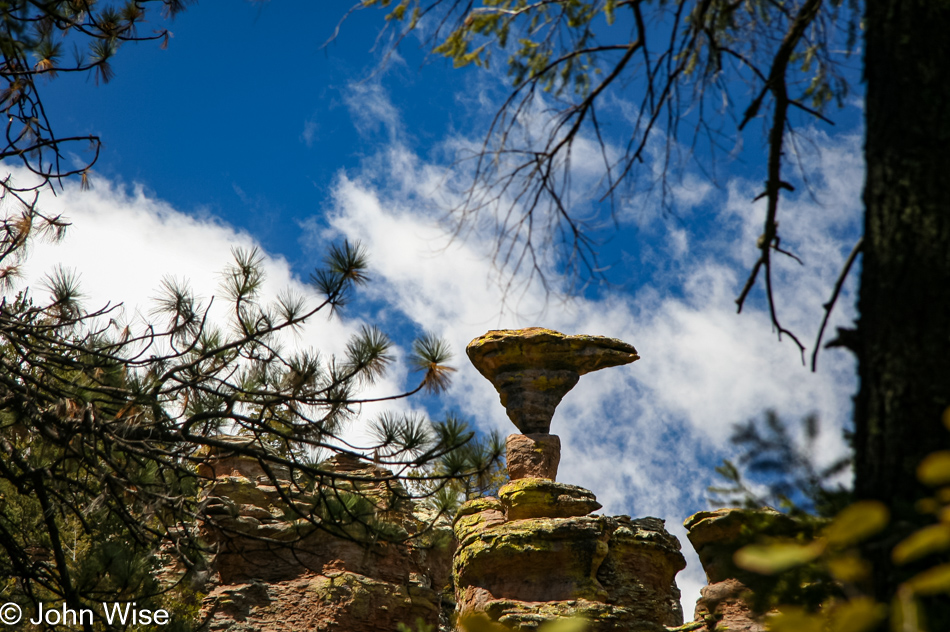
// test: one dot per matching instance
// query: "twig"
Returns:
(774, 184)
(830, 305)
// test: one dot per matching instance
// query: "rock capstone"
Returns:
(532, 369)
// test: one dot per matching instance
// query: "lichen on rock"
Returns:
(515, 572)
(542, 498)
(736, 598)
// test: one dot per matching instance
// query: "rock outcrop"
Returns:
(536, 554)
(278, 570)
(732, 598)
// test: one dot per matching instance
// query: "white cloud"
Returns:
(371, 110)
(644, 438)
(309, 133)
(124, 241)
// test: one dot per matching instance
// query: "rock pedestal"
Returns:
(533, 456)
(536, 554)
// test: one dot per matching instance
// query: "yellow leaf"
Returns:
(849, 568)
(768, 559)
(928, 540)
(857, 615)
(565, 624)
(905, 611)
(931, 581)
(934, 470)
(946, 418)
(927, 506)
(792, 619)
(857, 522)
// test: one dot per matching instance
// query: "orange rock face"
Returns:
(533, 456)
(276, 571)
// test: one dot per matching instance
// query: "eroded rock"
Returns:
(532, 369)
(543, 498)
(735, 599)
(640, 569)
(514, 572)
(533, 456)
(277, 571)
(717, 535)
(540, 559)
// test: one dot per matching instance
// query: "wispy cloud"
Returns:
(663, 423)
(645, 437)
(309, 133)
(372, 110)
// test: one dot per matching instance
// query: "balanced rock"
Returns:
(533, 456)
(532, 369)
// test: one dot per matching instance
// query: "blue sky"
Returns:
(247, 131)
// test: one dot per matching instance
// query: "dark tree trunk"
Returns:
(904, 358)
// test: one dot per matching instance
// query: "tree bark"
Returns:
(904, 328)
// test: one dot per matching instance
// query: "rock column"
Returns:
(533, 455)
(537, 553)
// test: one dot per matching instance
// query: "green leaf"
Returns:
(932, 539)
(768, 559)
(430, 354)
(934, 470)
(857, 522)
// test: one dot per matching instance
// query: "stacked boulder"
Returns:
(537, 552)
